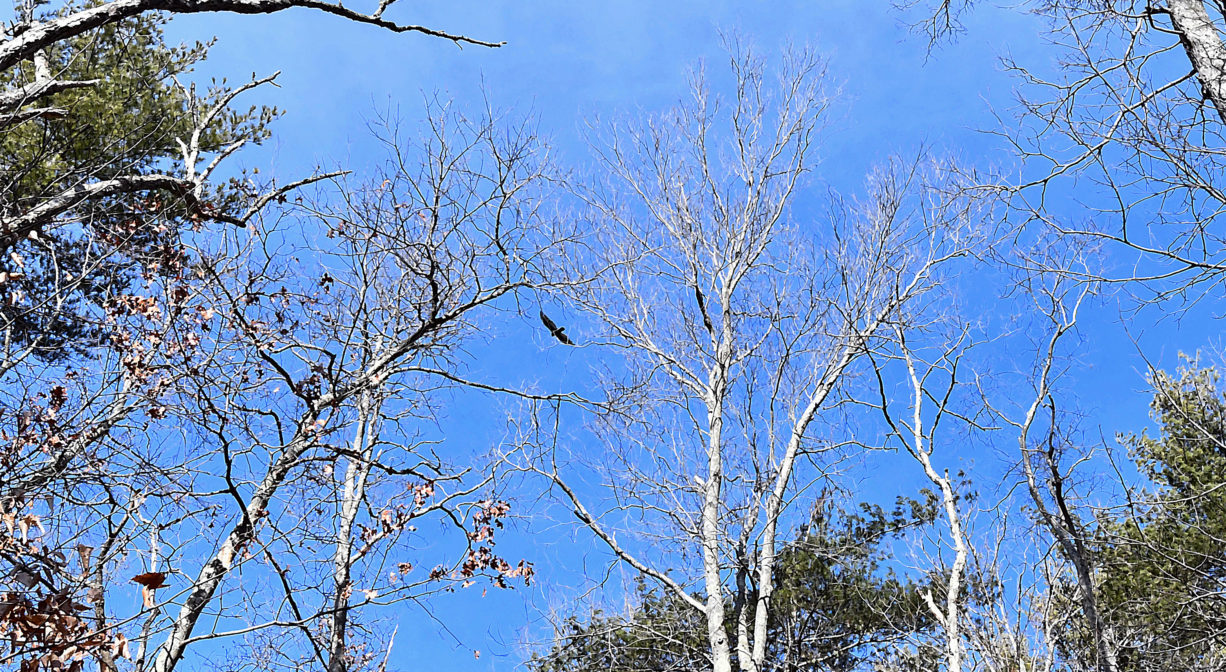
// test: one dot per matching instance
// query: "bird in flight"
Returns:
(558, 332)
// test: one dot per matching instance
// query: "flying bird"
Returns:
(558, 332)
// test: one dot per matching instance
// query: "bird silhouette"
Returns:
(558, 332)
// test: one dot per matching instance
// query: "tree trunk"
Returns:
(1203, 44)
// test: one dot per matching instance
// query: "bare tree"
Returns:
(1133, 116)
(123, 202)
(930, 406)
(107, 183)
(739, 329)
(1042, 459)
(272, 486)
(1130, 121)
(1027, 603)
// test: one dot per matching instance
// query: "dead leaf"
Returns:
(26, 522)
(85, 552)
(151, 580)
(119, 647)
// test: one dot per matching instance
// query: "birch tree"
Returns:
(839, 605)
(740, 324)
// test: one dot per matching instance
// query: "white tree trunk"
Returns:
(1203, 44)
(356, 472)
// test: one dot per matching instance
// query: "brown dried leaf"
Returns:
(151, 580)
(119, 647)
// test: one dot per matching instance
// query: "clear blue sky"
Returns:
(568, 60)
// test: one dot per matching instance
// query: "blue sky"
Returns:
(568, 61)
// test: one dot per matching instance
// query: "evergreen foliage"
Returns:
(127, 123)
(1164, 565)
(838, 605)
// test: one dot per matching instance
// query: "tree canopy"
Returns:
(270, 418)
